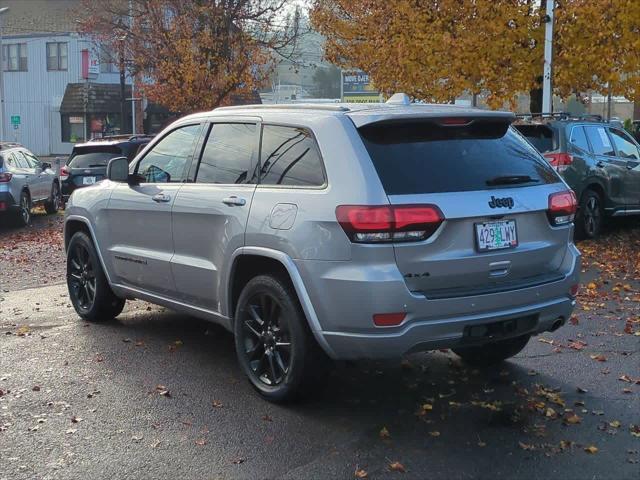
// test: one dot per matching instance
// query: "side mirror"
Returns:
(45, 166)
(118, 169)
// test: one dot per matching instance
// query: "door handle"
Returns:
(161, 197)
(233, 200)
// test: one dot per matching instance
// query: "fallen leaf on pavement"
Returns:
(360, 473)
(384, 433)
(397, 467)
(217, 404)
(591, 449)
(599, 357)
(201, 442)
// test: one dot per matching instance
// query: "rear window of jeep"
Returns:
(425, 157)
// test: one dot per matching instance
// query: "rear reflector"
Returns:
(5, 177)
(562, 207)
(573, 291)
(388, 319)
(389, 223)
(559, 161)
(3, 206)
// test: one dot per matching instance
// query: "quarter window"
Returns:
(625, 146)
(57, 56)
(168, 160)
(14, 57)
(579, 139)
(290, 156)
(228, 154)
(600, 141)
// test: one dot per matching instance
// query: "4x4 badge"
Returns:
(501, 202)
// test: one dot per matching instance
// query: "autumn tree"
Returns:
(598, 47)
(196, 54)
(437, 50)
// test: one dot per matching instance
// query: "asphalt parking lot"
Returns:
(157, 394)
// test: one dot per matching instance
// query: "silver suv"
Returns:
(318, 232)
(26, 182)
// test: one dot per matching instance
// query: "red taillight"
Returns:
(562, 207)
(573, 291)
(389, 223)
(455, 121)
(388, 319)
(559, 161)
(3, 206)
(5, 177)
(64, 172)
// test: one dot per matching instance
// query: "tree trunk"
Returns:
(535, 99)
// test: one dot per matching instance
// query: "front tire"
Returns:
(274, 345)
(89, 289)
(492, 353)
(590, 216)
(53, 204)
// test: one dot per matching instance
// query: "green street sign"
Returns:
(15, 119)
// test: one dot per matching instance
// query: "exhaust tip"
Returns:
(557, 324)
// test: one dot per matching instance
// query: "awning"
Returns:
(98, 98)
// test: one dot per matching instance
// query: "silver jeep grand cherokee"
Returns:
(318, 232)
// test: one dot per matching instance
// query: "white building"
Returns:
(45, 89)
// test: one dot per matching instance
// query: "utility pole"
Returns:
(122, 95)
(547, 83)
(133, 78)
(2, 117)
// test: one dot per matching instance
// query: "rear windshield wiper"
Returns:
(511, 180)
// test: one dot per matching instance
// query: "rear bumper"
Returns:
(7, 202)
(345, 297)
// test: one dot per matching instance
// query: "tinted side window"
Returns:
(600, 141)
(21, 161)
(31, 160)
(167, 161)
(228, 154)
(625, 146)
(579, 139)
(290, 156)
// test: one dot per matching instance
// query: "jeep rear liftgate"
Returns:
(493, 234)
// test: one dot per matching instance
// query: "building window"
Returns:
(108, 63)
(14, 57)
(57, 56)
(98, 125)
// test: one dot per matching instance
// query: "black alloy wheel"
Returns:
(266, 339)
(81, 277)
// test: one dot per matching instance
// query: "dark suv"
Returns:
(599, 161)
(87, 163)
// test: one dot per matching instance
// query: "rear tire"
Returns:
(492, 353)
(53, 204)
(590, 217)
(274, 344)
(89, 289)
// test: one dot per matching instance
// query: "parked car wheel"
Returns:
(89, 290)
(590, 215)
(275, 347)
(53, 204)
(24, 211)
(492, 353)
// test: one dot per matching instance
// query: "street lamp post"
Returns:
(547, 83)
(2, 117)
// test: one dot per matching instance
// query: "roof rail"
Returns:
(290, 106)
(108, 138)
(587, 117)
(9, 145)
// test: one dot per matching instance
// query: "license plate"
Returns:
(88, 180)
(496, 235)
